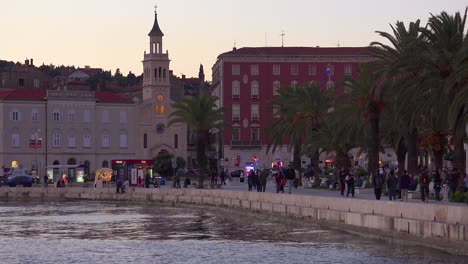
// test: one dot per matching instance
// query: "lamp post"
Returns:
(35, 152)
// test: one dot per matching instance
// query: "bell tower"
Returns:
(156, 67)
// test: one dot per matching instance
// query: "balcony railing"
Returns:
(235, 118)
(254, 96)
(254, 118)
(236, 96)
(246, 144)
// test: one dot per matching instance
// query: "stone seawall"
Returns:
(445, 225)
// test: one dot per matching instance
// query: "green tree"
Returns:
(204, 116)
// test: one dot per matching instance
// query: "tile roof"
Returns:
(22, 95)
(107, 97)
(291, 51)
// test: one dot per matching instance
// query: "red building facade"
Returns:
(247, 79)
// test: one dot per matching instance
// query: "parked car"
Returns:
(237, 173)
(25, 180)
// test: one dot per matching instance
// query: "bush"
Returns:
(459, 197)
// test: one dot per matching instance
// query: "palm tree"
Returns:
(446, 42)
(398, 64)
(301, 110)
(202, 114)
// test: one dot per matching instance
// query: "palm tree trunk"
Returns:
(401, 155)
(459, 155)
(201, 158)
(297, 160)
(412, 145)
(375, 141)
(315, 161)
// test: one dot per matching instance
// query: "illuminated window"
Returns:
(160, 97)
(160, 109)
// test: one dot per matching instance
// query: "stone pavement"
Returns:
(236, 185)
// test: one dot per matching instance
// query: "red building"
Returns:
(246, 79)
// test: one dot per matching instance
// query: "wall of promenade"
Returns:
(439, 225)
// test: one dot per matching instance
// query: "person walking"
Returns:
(46, 180)
(391, 185)
(350, 185)
(378, 183)
(290, 177)
(342, 177)
(280, 181)
(437, 184)
(424, 183)
(250, 179)
(262, 181)
(222, 177)
(404, 185)
(147, 180)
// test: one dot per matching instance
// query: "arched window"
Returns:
(153, 48)
(160, 72)
(156, 73)
(164, 73)
(158, 47)
(71, 161)
(105, 164)
(176, 141)
(145, 140)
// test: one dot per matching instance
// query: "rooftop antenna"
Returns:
(282, 38)
(338, 44)
(155, 9)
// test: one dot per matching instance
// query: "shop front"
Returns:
(131, 170)
(67, 173)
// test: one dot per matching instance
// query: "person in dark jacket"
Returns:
(437, 184)
(378, 183)
(350, 184)
(404, 185)
(290, 177)
(262, 181)
(392, 185)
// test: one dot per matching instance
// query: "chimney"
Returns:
(234, 49)
(32, 62)
(26, 62)
(183, 76)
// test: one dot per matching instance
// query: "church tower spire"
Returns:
(155, 65)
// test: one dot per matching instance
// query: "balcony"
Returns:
(245, 144)
(235, 96)
(254, 96)
(235, 118)
(254, 118)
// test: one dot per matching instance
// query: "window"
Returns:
(255, 132)
(276, 87)
(312, 70)
(87, 141)
(3, 83)
(254, 69)
(56, 140)
(145, 141)
(15, 140)
(36, 83)
(105, 141)
(71, 140)
(235, 112)
(294, 69)
(123, 117)
(21, 82)
(160, 109)
(15, 115)
(56, 116)
(236, 134)
(254, 112)
(34, 115)
(276, 69)
(235, 69)
(87, 116)
(254, 89)
(176, 141)
(123, 139)
(348, 70)
(235, 89)
(276, 112)
(293, 83)
(105, 116)
(71, 116)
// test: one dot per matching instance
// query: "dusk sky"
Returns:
(113, 34)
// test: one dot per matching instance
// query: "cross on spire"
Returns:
(282, 38)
